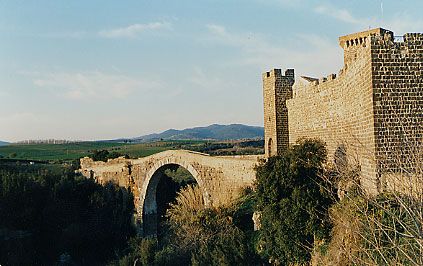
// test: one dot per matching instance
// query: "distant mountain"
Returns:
(215, 132)
(3, 143)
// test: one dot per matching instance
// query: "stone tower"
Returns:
(276, 90)
(369, 114)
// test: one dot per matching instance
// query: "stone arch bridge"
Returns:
(220, 178)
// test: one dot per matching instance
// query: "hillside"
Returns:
(3, 143)
(212, 132)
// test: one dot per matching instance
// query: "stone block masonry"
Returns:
(220, 178)
(277, 89)
(369, 114)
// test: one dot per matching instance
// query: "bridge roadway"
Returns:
(219, 177)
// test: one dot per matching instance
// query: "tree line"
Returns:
(52, 216)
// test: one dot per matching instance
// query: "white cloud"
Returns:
(338, 14)
(133, 30)
(399, 23)
(91, 85)
(402, 23)
(220, 34)
(309, 54)
(206, 82)
(283, 3)
(66, 35)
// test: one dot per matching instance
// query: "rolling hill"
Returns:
(3, 143)
(212, 132)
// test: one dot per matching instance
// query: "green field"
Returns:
(71, 151)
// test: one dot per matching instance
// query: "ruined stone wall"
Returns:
(397, 70)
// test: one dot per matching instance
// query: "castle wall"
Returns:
(339, 111)
(371, 115)
(276, 89)
(397, 70)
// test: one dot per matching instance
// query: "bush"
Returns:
(104, 155)
(198, 235)
(383, 229)
(376, 230)
(293, 203)
(208, 236)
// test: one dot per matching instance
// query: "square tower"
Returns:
(276, 90)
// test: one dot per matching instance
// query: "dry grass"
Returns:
(183, 218)
(189, 201)
(384, 229)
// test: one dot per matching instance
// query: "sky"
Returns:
(98, 69)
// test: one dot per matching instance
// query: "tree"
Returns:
(48, 216)
(293, 203)
(104, 155)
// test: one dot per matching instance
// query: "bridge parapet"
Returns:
(220, 177)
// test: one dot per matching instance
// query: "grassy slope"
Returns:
(71, 151)
(75, 150)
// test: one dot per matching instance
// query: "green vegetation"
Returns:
(231, 147)
(293, 203)
(204, 236)
(379, 230)
(50, 216)
(215, 132)
(44, 152)
(73, 151)
(198, 235)
(383, 229)
(104, 155)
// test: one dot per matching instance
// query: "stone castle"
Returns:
(370, 114)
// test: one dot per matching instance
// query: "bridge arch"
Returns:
(218, 177)
(148, 203)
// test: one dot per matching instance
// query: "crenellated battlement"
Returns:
(308, 85)
(359, 39)
(277, 88)
(358, 47)
(371, 109)
(277, 73)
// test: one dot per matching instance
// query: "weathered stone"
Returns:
(220, 177)
(370, 114)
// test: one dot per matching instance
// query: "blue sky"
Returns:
(86, 70)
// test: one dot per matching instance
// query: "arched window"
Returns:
(269, 147)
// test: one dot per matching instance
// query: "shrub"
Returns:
(104, 155)
(207, 236)
(293, 203)
(376, 230)
(383, 229)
